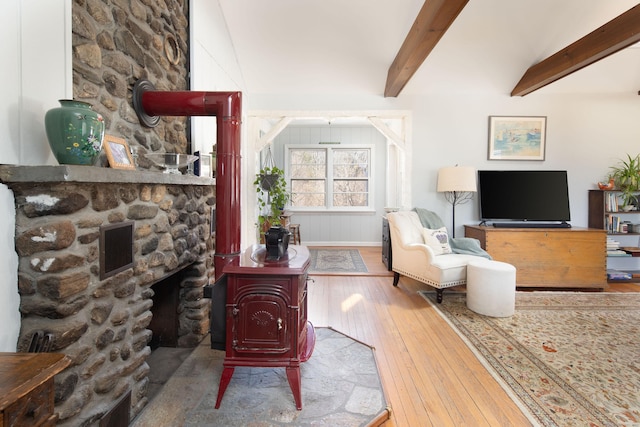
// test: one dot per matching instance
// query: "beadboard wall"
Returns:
(339, 228)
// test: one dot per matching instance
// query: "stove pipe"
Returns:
(150, 104)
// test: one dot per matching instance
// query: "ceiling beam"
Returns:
(615, 35)
(432, 22)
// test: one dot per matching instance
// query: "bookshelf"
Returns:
(623, 236)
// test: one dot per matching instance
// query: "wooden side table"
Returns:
(27, 388)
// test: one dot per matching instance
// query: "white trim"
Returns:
(397, 174)
(322, 243)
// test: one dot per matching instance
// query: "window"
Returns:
(337, 178)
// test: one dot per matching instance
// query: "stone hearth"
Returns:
(103, 324)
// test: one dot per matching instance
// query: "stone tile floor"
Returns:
(341, 386)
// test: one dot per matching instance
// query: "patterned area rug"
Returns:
(336, 261)
(570, 359)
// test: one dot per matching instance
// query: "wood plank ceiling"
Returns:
(435, 17)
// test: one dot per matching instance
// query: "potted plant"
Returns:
(269, 177)
(626, 176)
(272, 197)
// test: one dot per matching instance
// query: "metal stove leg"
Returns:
(227, 373)
(293, 375)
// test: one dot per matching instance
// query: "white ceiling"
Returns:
(346, 46)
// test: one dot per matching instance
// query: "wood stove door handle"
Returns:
(279, 323)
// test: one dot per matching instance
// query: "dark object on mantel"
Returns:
(276, 242)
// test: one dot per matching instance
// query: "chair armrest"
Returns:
(413, 257)
(422, 248)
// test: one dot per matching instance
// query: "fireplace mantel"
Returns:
(70, 173)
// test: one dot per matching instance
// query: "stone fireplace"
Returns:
(105, 324)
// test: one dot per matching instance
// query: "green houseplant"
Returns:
(626, 175)
(271, 189)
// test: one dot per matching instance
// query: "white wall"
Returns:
(36, 72)
(214, 67)
(586, 134)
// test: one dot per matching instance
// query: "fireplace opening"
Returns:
(166, 356)
(165, 311)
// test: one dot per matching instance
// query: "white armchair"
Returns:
(413, 258)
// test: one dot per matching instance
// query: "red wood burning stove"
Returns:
(266, 315)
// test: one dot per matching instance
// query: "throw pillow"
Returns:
(438, 240)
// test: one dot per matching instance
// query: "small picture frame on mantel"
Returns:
(517, 137)
(118, 153)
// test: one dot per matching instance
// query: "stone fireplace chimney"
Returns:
(102, 324)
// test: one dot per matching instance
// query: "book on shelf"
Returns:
(612, 223)
(617, 252)
(618, 275)
(611, 202)
(612, 244)
(615, 225)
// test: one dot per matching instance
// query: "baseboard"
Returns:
(351, 244)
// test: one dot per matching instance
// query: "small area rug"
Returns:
(569, 358)
(341, 386)
(336, 261)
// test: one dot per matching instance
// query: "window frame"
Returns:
(328, 207)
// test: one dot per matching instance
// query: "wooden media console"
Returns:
(548, 257)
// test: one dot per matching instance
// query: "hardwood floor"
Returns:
(430, 376)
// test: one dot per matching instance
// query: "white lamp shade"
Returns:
(457, 178)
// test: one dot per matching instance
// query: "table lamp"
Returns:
(458, 183)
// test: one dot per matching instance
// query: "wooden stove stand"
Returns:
(266, 315)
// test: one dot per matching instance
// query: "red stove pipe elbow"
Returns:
(150, 104)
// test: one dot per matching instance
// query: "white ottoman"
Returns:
(491, 288)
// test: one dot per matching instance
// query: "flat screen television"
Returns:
(524, 198)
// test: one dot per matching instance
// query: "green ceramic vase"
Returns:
(75, 132)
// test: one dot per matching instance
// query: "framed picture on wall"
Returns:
(517, 137)
(118, 153)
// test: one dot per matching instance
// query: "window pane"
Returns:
(308, 193)
(307, 186)
(308, 177)
(351, 171)
(350, 199)
(308, 200)
(308, 171)
(342, 186)
(351, 163)
(350, 193)
(308, 163)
